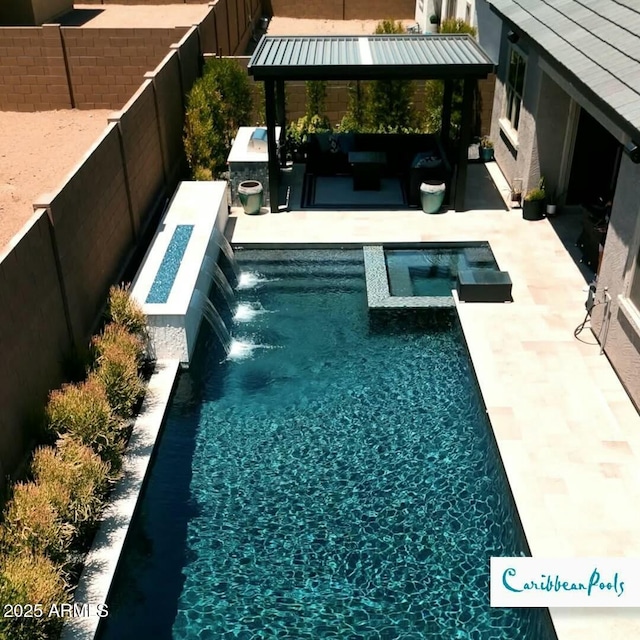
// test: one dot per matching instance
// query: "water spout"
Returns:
(227, 250)
(221, 282)
(210, 314)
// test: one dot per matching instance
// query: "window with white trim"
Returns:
(515, 86)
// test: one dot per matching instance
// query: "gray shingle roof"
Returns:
(596, 41)
(374, 56)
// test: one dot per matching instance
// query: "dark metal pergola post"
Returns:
(464, 141)
(274, 169)
(281, 117)
(445, 129)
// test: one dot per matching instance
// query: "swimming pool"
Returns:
(341, 481)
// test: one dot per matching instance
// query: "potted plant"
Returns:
(433, 23)
(533, 208)
(486, 149)
(552, 204)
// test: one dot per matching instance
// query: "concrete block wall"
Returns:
(55, 276)
(143, 151)
(106, 66)
(32, 69)
(34, 336)
(345, 9)
(93, 230)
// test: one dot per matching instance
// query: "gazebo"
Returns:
(446, 57)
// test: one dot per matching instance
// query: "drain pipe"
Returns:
(606, 321)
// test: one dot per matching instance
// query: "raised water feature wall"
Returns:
(171, 285)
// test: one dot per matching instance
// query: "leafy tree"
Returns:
(218, 103)
(390, 102)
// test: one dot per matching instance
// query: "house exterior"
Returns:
(567, 107)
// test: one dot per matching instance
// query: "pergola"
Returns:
(446, 57)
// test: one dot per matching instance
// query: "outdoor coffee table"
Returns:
(367, 169)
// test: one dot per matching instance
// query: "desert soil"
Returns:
(37, 151)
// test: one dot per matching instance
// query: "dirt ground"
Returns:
(97, 16)
(305, 27)
(37, 150)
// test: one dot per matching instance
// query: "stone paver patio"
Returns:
(568, 434)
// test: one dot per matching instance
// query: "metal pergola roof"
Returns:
(377, 57)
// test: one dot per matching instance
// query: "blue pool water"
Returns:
(168, 269)
(434, 271)
(340, 482)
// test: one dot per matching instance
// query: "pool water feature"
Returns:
(341, 482)
(433, 271)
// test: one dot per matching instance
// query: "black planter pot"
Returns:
(533, 210)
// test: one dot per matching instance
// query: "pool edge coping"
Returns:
(103, 558)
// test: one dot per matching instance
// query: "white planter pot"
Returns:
(551, 209)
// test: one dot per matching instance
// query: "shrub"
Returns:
(354, 118)
(117, 371)
(457, 25)
(81, 474)
(115, 336)
(433, 98)
(390, 102)
(33, 523)
(219, 102)
(123, 310)
(202, 174)
(316, 93)
(83, 412)
(31, 578)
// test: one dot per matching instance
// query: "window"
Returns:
(467, 13)
(452, 9)
(515, 87)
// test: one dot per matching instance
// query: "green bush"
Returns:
(123, 310)
(83, 412)
(316, 94)
(457, 25)
(433, 98)
(115, 336)
(31, 578)
(390, 102)
(117, 372)
(354, 118)
(83, 478)
(219, 102)
(32, 522)
(298, 131)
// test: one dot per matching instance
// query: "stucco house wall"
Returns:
(517, 156)
(543, 148)
(622, 339)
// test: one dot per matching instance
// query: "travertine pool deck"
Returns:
(568, 434)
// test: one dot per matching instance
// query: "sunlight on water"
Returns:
(250, 280)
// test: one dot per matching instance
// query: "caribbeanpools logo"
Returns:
(565, 582)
